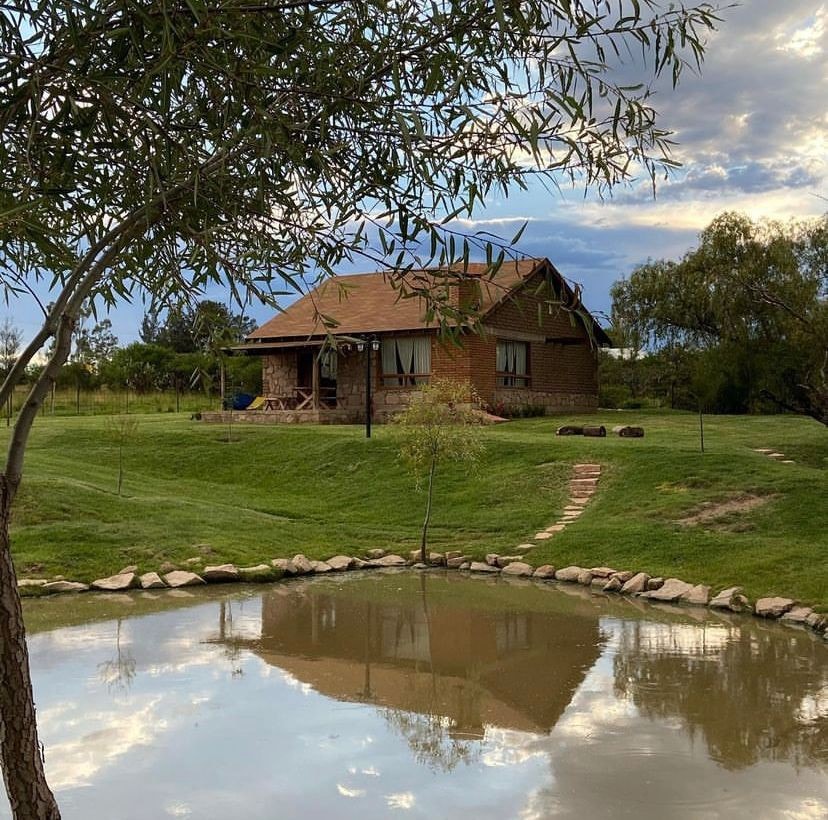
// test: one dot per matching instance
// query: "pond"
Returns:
(424, 695)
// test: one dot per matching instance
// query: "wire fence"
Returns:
(105, 402)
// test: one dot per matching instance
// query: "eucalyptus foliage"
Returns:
(750, 303)
(163, 146)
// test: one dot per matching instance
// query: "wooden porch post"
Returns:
(315, 383)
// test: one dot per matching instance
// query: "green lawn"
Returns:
(275, 491)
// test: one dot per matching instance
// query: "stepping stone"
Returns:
(761, 450)
(776, 455)
(586, 467)
(556, 528)
(574, 508)
(787, 461)
(542, 536)
(579, 482)
(525, 547)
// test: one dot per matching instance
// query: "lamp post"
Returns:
(368, 345)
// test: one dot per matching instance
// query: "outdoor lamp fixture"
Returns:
(368, 345)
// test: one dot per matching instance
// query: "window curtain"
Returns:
(402, 357)
(422, 356)
(389, 362)
(501, 357)
(405, 354)
(519, 358)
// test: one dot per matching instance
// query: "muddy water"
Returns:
(424, 696)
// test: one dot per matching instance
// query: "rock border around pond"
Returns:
(603, 579)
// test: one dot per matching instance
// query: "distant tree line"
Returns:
(180, 349)
(737, 325)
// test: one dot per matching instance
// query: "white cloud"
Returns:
(400, 800)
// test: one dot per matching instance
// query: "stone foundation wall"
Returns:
(280, 417)
(553, 402)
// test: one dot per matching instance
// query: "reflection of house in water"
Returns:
(510, 669)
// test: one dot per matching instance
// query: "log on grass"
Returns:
(596, 431)
(569, 430)
(627, 431)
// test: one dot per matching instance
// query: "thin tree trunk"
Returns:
(424, 538)
(28, 792)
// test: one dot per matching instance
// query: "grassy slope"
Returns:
(324, 490)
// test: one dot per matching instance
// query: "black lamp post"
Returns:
(368, 345)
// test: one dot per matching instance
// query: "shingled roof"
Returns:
(369, 303)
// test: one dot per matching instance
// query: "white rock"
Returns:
(671, 590)
(303, 566)
(568, 573)
(518, 568)
(797, 615)
(638, 583)
(773, 607)
(222, 572)
(117, 583)
(340, 563)
(698, 595)
(480, 566)
(181, 578)
(65, 586)
(390, 561)
(285, 565)
(31, 582)
(152, 580)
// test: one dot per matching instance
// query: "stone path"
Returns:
(780, 457)
(582, 487)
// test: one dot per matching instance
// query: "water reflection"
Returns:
(751, 692)
(461, 668)
(432, 695)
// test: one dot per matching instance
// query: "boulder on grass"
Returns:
(670, 591)
(389, 561)
(117, 583)
(375, 553)
(303, 566)
(340, 563)
(546, 571)
(698, 595)
(65, 586)
(181, 578)
(655, 583)
(222, 573)
(638, 583)
(568, 574)
(456, 563)
(797, 615)
(613, 585)
(504, 560)
(584, 578)
(285, 565)
(321, 567)
(152, 580)
(518, 569)
(479, 566)
(730, 599)
(773, 607)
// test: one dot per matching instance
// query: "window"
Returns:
(512, 364)
(406, 361)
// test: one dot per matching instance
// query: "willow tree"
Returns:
(161, 146)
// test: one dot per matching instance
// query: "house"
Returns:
(531, 348)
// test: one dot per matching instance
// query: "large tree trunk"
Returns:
(20, 756)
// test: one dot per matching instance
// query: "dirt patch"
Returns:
(730, 508)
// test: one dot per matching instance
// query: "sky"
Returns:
(752, 134)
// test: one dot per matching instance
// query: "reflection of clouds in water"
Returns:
(814, 707)
(178, 809)
(400, 800)
(508, 747)
(655, 637)
(814, 809)
(294, 682)
(73, 763)
(346, 792)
